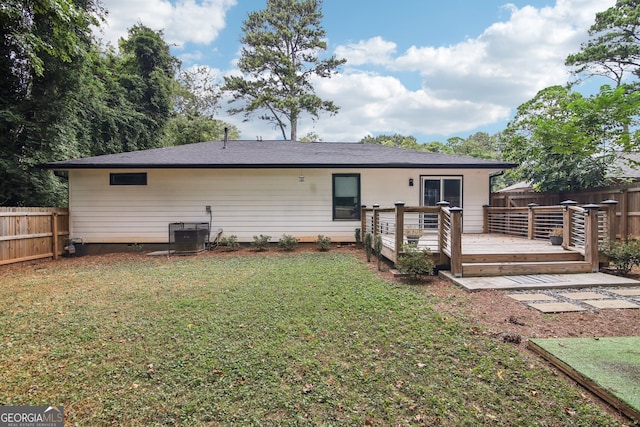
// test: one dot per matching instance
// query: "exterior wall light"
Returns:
(410, 182)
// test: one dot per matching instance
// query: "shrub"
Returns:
(368, 245)
(377, 248)
(230, 243)
(414, 262)
(287, 242)
(260, 243)
(358, 235)
(324, 242)
(623, 254)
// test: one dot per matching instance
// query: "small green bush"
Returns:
(324, 242)
(377, 248)
(230, 243)
(358, 235)
(623, 254)
(368, 245)
(260, 243)
(287, 242)
(414, 262)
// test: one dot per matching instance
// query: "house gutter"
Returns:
(59, 166)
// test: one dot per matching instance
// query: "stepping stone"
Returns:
(583, 295)
(611, 303)
(531, 297)
(556, 307)
(625, 292)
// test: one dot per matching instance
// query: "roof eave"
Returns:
(54, 166)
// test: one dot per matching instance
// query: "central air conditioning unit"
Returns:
(188, 237)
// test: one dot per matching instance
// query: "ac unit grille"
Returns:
(188, 237)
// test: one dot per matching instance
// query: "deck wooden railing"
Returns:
(439, 227)
(585, 227)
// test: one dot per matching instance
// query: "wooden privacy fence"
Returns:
(32, 233)
(627, 209)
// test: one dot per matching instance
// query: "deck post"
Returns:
(612, 219)
(363, 222)
(485, 218)
(399, 234)
(441, 233)
(456, 241)
(375, 221)
(531, 223)
(591, 236)
(566, 222)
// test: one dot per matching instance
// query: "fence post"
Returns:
(612, 219)
(624, 213)
(531, 221)
(54, 234)
(591, 236)
(456, 241)
(566, 222)
(399, 235)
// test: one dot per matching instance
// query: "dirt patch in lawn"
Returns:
(608, 366)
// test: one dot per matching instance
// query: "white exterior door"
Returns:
(437, 189)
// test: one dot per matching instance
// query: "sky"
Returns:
(431, 69)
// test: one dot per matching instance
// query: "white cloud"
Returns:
(475, 83)
(185, 21)
(372, 51)
(453, 90)
(372, 104)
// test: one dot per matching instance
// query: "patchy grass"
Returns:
(294, 339)
(609, 363)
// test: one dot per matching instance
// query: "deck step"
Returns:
(519, 268)
(523, 257)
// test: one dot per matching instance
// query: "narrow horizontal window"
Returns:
(128, 178)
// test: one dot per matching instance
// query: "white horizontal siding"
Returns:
(244, 202)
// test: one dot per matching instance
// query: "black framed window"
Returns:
(346, 196)
(136, 178)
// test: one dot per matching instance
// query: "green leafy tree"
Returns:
(437, 147)
(147, 72)
(564, 141)
(195, 101)
(614, 47)
(281, 53)
(395, 140)
(188, 129)
(480, 145)
(311, 137)
(43, 50)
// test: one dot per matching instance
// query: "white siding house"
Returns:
(252, 188)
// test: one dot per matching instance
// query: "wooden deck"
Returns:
(496, 254)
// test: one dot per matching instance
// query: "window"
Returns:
(128, 178)
(346, 196)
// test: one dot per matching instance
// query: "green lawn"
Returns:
(293, 339)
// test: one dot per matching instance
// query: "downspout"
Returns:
(491, 176)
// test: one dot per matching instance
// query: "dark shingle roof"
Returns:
(277, 154)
